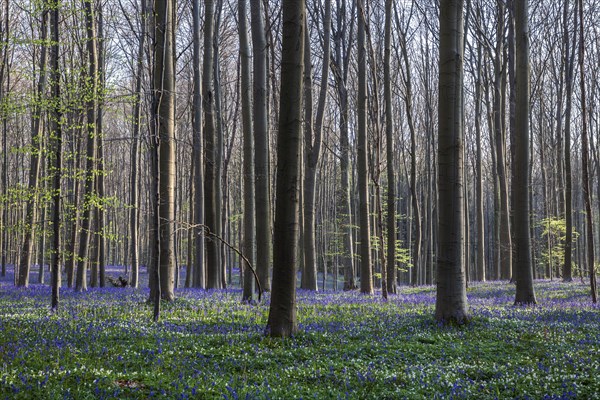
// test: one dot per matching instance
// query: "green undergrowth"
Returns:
(103, 345)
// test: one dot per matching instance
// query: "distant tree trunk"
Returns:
(389, 134)
(416, 217)
(500, 64)
(101, 221)
(366, 278)
(221, 217)
(91, 110)
(4, 77)
(340, 70)
(480, 216)
(199, 277)
(451, 299)
(164, 89)
(261, 145)
(135, 149)
(525, 293)
(282, 320)
(36, 153)
(56, 145)
(249, 244)
(585, 162)
(308, 261)
(211, 181)
(313, 149)
(569, 55)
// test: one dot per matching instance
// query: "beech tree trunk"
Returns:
(56, 143)
(313, 140)
(91, 109)
(211, 180)
(451, 299)
(261, 145)
(282, 320)
(199, 268)
(36, 153)
(366, 277)
(523, 267)
(585, 162)
(389, 134)
(249, 244)
(164, 89)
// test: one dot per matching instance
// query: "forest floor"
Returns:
(102, 344)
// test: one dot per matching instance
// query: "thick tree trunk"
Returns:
(282, 320)
(451, 299)
(261, 145)
(525, 293)
(366, 278)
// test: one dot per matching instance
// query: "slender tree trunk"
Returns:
(366, 278)
(4, 80)
(211, 181)
(525, 293)
(101, 221)
(261, 145)
(135, 149)
(249, 244)
(164, 88)
(313, 139)
(451, 299)
(282, 320)
(220, 170)
(585, 162)
(36, 153)
(91, 109)
(56, 143)
(389, 134)
(480, 216)
(199, 277)
(569, 66)
(500, 64)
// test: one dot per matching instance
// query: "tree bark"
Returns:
(585, 162)
(36, 152)
(389, 134)
(211, 181)
(451, 299)
(282, 320)
(199, 268)
(366, 278)
(569, 66)
(525, 293)
(249, 244)
(135, 148)
(91, 105)
(313, 140)
(56, 141)
(164, 91)
(261, 145)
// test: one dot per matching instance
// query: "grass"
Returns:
(103, 345)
